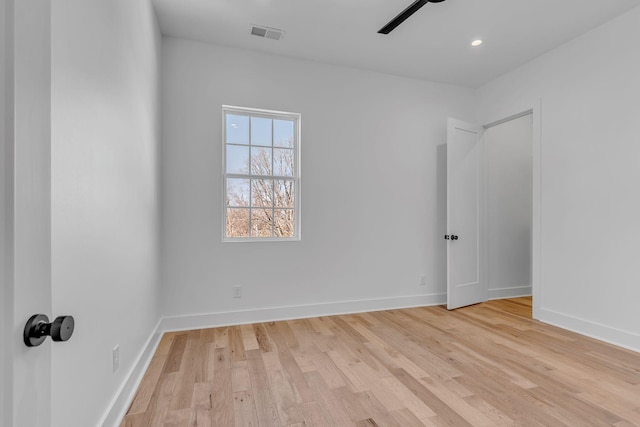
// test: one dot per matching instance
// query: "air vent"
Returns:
(266, 32)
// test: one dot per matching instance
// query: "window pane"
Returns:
(238, 192)
(237, 159)
(283, 131)
(262, 192)
(283, 161)
(283, 223)
(261, 224)
(284, 194)
(261, 131)
(261, 174)
(261, 161)
(237, 222)
(237, 129)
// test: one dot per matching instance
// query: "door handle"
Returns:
(450, 237)
(38, 328)
(454, 237)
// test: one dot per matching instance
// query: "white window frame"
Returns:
(255, 112)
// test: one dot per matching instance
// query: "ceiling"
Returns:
(433, 44)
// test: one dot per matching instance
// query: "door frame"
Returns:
(6, 174)
(535, 109)
(25, 208)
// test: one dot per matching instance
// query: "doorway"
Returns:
(508, 165)
(511, 167)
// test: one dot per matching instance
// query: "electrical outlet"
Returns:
(116, 357)
(237, 291)
(423, 280)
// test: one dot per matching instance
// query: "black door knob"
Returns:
(62, 328)
(454, 237)
(38, 328)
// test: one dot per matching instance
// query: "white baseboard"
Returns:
(619, 337)
(510, 292)
(123, 399)
(198, 321)
(120, 404)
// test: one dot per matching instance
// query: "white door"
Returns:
(464, 209)
(26, 207)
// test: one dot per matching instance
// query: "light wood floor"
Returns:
(485, 365)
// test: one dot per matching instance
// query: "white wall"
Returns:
(589, 176)
(372, 185)
(508, 158)
(105, 197)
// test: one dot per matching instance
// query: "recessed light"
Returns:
(476, 42)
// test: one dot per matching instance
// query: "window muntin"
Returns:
(261, 175)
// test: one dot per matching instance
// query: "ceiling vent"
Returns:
(266, 32)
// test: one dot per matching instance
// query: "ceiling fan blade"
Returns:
(413, 8)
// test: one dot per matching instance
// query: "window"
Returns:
(261, 174)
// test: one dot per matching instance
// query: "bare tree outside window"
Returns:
(261, 191)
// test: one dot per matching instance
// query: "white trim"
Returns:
(124, 397)
(534, 108)
(508, 119)
(5, 302)
(536, 206)
(6, 207)
(510, 292)
(598, 331)
(272, 314)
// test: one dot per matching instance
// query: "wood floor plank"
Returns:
(187, 373)
(261, 337)
(236, 343)
(423, 393)
(249, 338)
(240, 380)
(416, 406)
(288, 335)
(202, 418)
(222, 411)
(404, 417)
(333, 404)
(265, 406)
(202, 396)
(221, 337)
(305, 334)
(178, 418)
(286, 399)
(485, 365)
(317, 414)
(295, 377)
(244, 409)
(378, 415)
(352, 404)
(174, 358)
(304, 358)
(329, 372)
